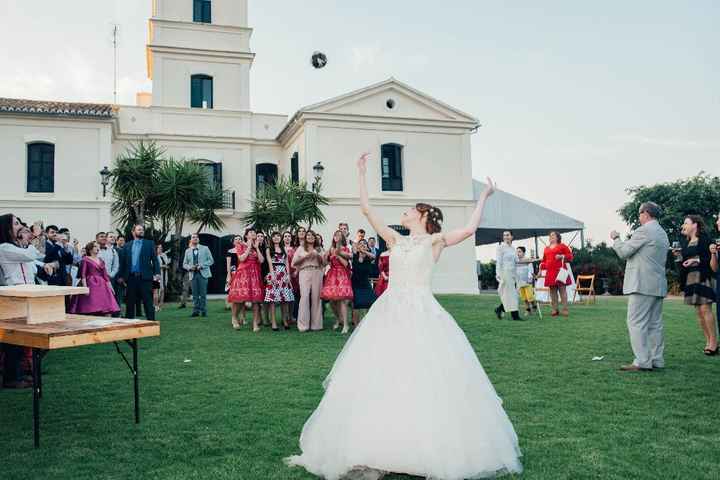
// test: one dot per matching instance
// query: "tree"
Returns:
(602, 261)
(163, 193)
(285, 205)
(206, 215)
(698, 195)
(182, 194)
(132, 181)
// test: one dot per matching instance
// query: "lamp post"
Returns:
(318, 170)
(105, 179)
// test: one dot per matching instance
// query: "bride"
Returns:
(407, 394)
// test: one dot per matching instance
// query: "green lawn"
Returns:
(238, 407)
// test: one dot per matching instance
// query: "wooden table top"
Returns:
(37, 291)
(75, 331)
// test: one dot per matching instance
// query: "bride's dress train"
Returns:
(407, 394)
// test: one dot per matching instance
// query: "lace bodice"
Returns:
(411, 262)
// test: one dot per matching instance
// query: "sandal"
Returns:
(710, 353)
(555, 313)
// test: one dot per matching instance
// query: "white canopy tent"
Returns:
(505, 211)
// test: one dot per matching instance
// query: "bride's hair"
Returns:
(434, 217)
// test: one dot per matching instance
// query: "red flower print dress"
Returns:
(336, 284)
(245, 284)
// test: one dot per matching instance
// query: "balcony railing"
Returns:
(229, 199)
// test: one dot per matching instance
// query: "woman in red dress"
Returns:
(337, 288)
(384, 277)
(245, 284)
(556, 256)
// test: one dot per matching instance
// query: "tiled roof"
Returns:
(69, 109)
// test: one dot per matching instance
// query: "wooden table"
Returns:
(66, 332)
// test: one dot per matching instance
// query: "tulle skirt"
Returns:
(408, 395)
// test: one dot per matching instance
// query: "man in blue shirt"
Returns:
(139, 267)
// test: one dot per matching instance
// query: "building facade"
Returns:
(199, 59)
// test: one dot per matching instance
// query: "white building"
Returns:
(199, 60)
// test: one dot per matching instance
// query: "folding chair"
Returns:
(585, 286)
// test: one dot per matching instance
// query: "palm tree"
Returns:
(132, 182)
(213, 199)
(285, 205)
(180, 190)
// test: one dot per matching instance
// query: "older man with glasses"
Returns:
(645, 282)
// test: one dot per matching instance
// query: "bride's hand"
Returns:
(490, 188)
(362, 162)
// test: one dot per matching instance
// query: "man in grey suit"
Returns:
(645, 281)
(197, 262)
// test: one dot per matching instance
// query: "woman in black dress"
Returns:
(697, 278)
(362, 270)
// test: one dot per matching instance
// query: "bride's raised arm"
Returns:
(454, 237)
(387, 233)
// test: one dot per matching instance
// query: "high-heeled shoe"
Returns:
(555, 313)
(345, 330)
(336, 326)
(235, 324)
(710, 353)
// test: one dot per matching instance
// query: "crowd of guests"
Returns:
(298, 274)
(114, 271)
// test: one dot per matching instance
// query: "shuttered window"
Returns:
(41, 167)
(391, 167)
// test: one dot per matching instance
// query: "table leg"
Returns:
(134, 370)
(37, 375)
(136, 381)
(39, 369)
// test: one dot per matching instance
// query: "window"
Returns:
(202, 11)
(201, 91)
(214, 174)
(41, 167)
(265, 174)
(391, 167)
(295, 168)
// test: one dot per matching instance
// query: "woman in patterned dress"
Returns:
(245, 284)
(337, 288)
(384, 270)
(278, 288)
(697, 279)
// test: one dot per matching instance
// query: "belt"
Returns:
(309, 267)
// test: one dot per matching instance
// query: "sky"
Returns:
(577, 100)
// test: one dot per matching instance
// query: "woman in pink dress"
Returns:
(245, 284)
(384, 277)
(297, 239)
(101, 299)
(337, 288)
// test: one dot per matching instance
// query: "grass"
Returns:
(238, 407)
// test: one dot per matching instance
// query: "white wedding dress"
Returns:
(407, 393)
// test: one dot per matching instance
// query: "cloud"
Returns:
(666, 142)
(366, 56)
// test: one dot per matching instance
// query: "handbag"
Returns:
(562, 275)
